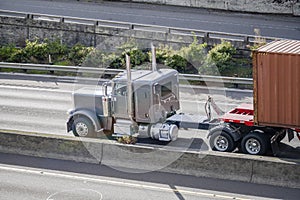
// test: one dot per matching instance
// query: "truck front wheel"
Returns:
(83, 127)
(255, 143)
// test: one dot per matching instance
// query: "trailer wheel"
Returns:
(83, 127)
(220, 140)
(255, 143)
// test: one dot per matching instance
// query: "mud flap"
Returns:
(69, 124)
(290, 134)
(275, 148)
(274, 143)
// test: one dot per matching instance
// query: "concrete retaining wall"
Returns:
(108, 37)
(133, 158)
(291, 7)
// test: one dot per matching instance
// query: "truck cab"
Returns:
(139, 103)
(155, 95)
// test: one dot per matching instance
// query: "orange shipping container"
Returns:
(276, 74)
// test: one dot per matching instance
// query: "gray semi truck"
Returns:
(143, 103)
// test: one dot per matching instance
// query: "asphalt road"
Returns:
(230, 22)
(24, 177)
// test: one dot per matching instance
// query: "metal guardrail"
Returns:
(105, 71)
(59, 68)
(134, 26)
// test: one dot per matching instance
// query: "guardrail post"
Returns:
(29, 16)
(235, 85)
(79, 73)
(50, 63)
(205, 37)
(246, 41)
(96, 24)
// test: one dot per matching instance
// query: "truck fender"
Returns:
(85, 113)
(234, 133)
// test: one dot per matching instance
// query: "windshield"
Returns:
(166, 89)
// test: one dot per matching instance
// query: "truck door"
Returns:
(143, 103)
(120, 101)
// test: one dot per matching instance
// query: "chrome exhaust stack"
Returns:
(154, 64)
(129, 90)
(130, 106)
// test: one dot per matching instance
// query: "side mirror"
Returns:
(104, 87)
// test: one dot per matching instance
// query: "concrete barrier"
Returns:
(137, 159)
(65, 148)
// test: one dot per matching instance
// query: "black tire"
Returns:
(83, 127)
(255, 143)
(220, 140)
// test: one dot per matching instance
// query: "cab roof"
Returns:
(146, 75)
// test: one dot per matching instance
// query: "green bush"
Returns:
(191, 59)
(221, 56)
(57, 51)
(34, 52)
(78, 53)
(6, 52)
(195, 54)
(97, 58)
(174, 59)
(137, 56)
(177, 62)
(19, 56)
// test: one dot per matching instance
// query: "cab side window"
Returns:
(120, 89)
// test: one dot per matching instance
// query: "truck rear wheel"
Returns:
(83, 127)
(255, 143)
(220, 140)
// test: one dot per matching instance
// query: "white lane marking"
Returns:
(209, 194)
(75, 190)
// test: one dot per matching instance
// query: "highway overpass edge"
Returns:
(258, 6)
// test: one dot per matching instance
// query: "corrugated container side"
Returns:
(276, 89)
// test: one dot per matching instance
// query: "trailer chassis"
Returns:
(235, 128)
